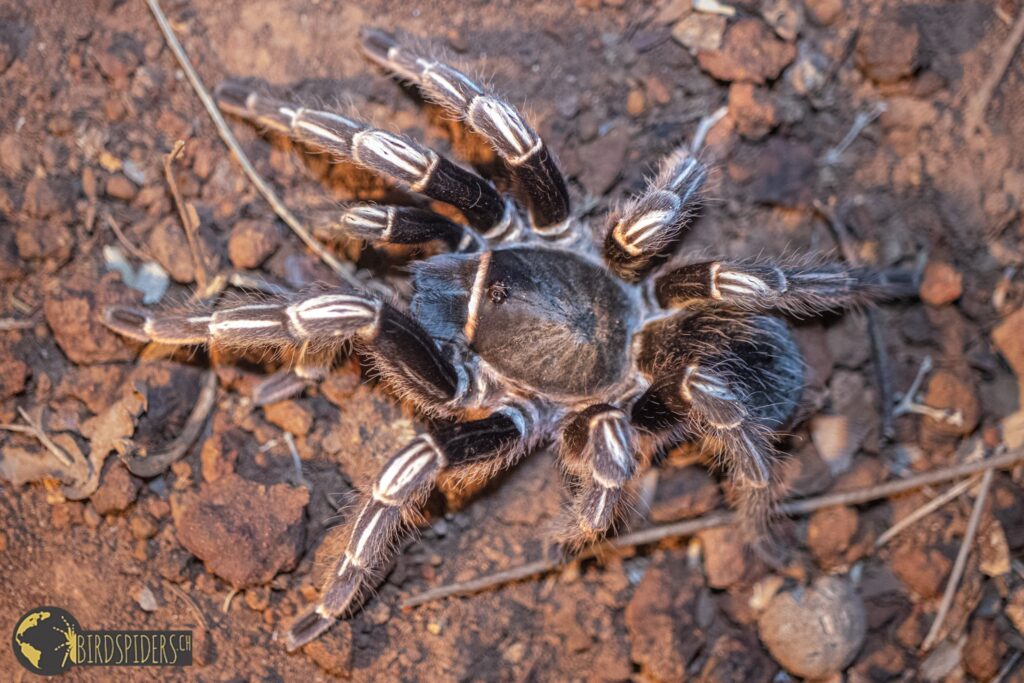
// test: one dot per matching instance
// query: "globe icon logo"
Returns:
(45, 641)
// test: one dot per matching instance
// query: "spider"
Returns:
(528, 330)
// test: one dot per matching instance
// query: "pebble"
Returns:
(79, 332)
(725, 557)
(662, 619)
(169, 246)
(263, 526)
(830, 532)
(684, 493)
(47, 197)
(119, 187)
(750, 53)
(1008, 337)
(815, 632)
(941, 284)
(13, 375)
(984, 651)
(118, 489)
(922, 569)
(733, 658)
(753, 110)
(636, 102)
(887, 50)
(836, 438)
(956, 394)
(699, 32)
(252, 242)
(291, 416)
(823, 12)
(785, 16)
(332, 651)
(12, 155)
(1015, 610)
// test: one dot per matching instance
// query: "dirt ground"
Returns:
(229, 542)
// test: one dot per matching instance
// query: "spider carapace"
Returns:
(530, 329)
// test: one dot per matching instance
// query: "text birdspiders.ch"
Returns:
(599, 344)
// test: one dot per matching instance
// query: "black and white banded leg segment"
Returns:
(393, 156)
(599, 451)
(645, 231)
(404, 225)
(392, 507)
(800, 290)
(533, 168)
(320, 323)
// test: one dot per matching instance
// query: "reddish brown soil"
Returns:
(90, 102)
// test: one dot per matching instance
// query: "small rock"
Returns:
(119, 187)
(958, 397)
(942, 284)
(733, 658)
(785, 16)
(264, 526)
(77, 328)
(815, 632)
(749, 52)
(13, 375)
(984, 651)
(809, 72)
(47, 197)
(290, 416)
(753, 110)
(1008, 337)
(636, 103)
(922, 569)
(143, 526)
(1015, 610)
(252, 242)
(332, 651)
(602, 160)
(118, 489)
(836, 438)
(662, 619)
(684, 493)
(887, 50)
(910, 113)
(145, 599)
(725, 556)
(41, 240)
(823, 12)
(657, 90)
(169, 246)
(699, 32)
(882, 664)
(12, 155)
(830, 532)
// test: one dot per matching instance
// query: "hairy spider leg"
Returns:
(534, 171)
(392, 506)
(799, 290)
(321, 321)
(393, 156)
(645, 231)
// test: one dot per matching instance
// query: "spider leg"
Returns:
(404, 225)
(393, 156)
(800, 290)
(646, 230)
(598, 448)
(533, 168)
(732, 383)
(392, 507)
(319, 323)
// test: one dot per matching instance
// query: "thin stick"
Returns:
(35, 429)
(1007, 668)
(191, 604)
(961, 561)
(861, 121)
(229, 139)
(132, 249)
(189, 220)
(12, 324)
(920, 513)
(718, 519)
(977, 105)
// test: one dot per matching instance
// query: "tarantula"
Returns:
(527, 329)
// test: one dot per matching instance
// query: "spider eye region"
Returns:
(497, 292)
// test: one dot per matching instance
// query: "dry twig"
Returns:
(189, 218)
(952, 493)
(125, 242)
(961, 561)
(977, 105)
(12, 324)
(191, 604)
(35, 429)
(232, 143)
(718, 519)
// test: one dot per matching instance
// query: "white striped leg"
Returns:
(599, 450)
(533, 168)
(646, 229)
(800, 290)
(718, 409)
(404, 225)
(393, 156)
(392, 508)
(318, 324)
